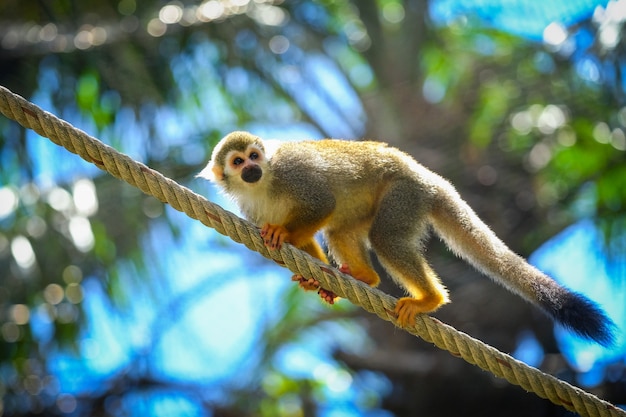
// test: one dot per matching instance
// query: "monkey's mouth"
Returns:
(251, 174)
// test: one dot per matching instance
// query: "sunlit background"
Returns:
(113, 304)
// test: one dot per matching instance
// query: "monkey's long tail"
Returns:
(462, 230)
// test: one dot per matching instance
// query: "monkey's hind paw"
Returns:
(407, 308)
(307, 284)
(328, 296)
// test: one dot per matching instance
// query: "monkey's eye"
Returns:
(254, 156)
(237, 161)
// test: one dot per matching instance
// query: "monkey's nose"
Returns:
(251, 174)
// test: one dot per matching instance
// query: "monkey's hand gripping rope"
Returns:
(197, 207)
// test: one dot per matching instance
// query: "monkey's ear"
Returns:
(212, 172)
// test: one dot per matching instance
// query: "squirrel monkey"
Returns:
(367, 195)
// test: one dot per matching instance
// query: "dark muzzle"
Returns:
(251, 174)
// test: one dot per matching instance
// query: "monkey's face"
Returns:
(244, 167)
(239, 164)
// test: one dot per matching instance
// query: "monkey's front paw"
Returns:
(307, 284)
(274, 235)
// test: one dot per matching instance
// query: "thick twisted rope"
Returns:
(197, 207)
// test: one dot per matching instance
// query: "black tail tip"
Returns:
(581, 315)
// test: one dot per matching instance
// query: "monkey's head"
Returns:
(238, 160)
